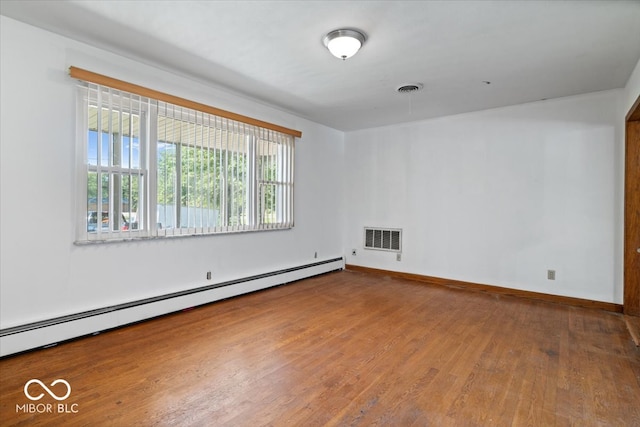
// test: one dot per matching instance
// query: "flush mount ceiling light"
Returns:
(344, 43)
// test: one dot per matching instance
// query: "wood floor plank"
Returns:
(345, 349)
(633, 324)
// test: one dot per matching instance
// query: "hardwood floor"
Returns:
(633, 325)
(343, 349)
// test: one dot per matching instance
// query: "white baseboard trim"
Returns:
(50, 332)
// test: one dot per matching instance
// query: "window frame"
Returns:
(149, 115)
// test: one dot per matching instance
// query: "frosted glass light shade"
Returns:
(344, 44)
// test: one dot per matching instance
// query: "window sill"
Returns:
(171, 236)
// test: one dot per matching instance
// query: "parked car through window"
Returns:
(92, 222)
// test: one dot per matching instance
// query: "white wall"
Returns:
(43, 274)
(496, 197)
(632, 89)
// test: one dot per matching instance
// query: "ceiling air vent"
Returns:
(383, 239)
(410, 88)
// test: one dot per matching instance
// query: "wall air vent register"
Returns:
(383, 239)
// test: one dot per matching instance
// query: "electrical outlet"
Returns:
(208, 275)
(398, 256)
(353, 252)
(551, 274)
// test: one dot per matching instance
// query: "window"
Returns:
(116, 172)
(151, 168)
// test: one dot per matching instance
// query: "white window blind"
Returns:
(153, 168)
(115, 164)
(219, 175)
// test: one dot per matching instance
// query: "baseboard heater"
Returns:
(49, 332)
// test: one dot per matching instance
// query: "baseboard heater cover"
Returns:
(48, 332)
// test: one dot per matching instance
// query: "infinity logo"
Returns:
(52, 394)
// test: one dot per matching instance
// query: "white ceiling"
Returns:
(272, 50)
